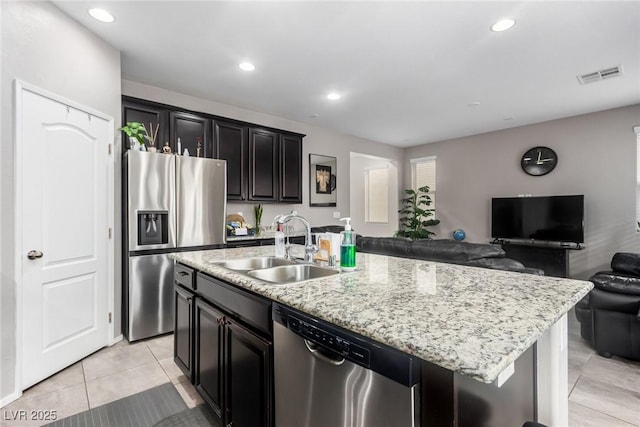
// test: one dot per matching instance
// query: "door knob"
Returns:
(34, 254)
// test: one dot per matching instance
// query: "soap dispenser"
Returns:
(347, 247)
(279, 241)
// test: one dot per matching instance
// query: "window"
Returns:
(376, 198)
(423, 172)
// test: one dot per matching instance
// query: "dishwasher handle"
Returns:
(317, 352)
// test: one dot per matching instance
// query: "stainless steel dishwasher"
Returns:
(326, 376)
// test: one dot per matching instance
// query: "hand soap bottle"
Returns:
(279, 241)
(347, 247)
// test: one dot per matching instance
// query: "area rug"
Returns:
(200, 416)
(144, 409)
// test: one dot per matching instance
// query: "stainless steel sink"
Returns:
(247, 264)
(291, 273)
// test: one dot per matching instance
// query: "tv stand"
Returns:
(551, 257)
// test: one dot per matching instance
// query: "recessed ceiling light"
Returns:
(474, 104)
(101, 15)
(247, 66)
(503, 24)
(333, 96)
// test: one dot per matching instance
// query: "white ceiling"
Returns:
(407, 71)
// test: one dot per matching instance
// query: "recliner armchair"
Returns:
(610, 315)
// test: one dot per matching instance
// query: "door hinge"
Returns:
(110, 232)
(110, 148)
(110, 317)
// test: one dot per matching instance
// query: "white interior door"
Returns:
(63, 169)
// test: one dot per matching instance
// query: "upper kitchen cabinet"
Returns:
(263, 165)
(149, 115)
(290, 169)
(231, 144)
(194, 133)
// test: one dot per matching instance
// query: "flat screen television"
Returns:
(551, 218)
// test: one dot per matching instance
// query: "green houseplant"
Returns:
(414, 216)
(257, 213)
(135, 130)
(138, 131)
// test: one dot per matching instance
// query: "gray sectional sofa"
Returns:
(440, 250)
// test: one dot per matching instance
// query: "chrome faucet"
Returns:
(309, 248)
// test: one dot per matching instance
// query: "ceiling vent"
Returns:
(596, 76)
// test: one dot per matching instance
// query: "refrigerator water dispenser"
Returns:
(153, 227)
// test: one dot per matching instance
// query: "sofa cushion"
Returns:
(618, 283)
(452, 250)
(393, 246)
(627, 263)
(497, 263)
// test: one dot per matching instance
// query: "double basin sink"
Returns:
(277, 271)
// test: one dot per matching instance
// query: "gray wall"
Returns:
(44, 47)
(318, 141)
(597, 158)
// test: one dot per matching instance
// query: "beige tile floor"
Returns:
(602, 392)
(107, 375)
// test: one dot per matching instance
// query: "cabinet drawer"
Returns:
(184, 275)
(250, 309)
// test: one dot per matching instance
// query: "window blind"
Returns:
(423, 172)
(377, 195)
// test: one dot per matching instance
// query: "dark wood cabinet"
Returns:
(290, 169)
(183, 331)
(263, 165)
(232, 364)
(209, 345)
(248, 378)
(149, 116)
(193, 131)
(231, 144)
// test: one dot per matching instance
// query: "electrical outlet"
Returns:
(336, 214)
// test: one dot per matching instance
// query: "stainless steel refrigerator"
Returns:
(172, 203)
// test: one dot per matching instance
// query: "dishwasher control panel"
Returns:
(353, 347)
(330, 340)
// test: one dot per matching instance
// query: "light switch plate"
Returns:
(336, 214)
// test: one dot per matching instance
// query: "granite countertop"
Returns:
(470, 320)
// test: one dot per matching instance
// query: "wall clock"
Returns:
(539, 161)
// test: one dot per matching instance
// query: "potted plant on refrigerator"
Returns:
(137, 134)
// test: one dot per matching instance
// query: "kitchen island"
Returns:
(469, 325)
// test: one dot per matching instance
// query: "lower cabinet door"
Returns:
(183, 331)
(209, 339)
(249, 378)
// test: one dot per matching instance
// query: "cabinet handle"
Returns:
(189, 299)
(183, 273)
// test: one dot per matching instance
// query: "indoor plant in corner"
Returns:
(414, 216)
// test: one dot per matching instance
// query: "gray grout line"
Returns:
(86, 386)
(604, 413)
